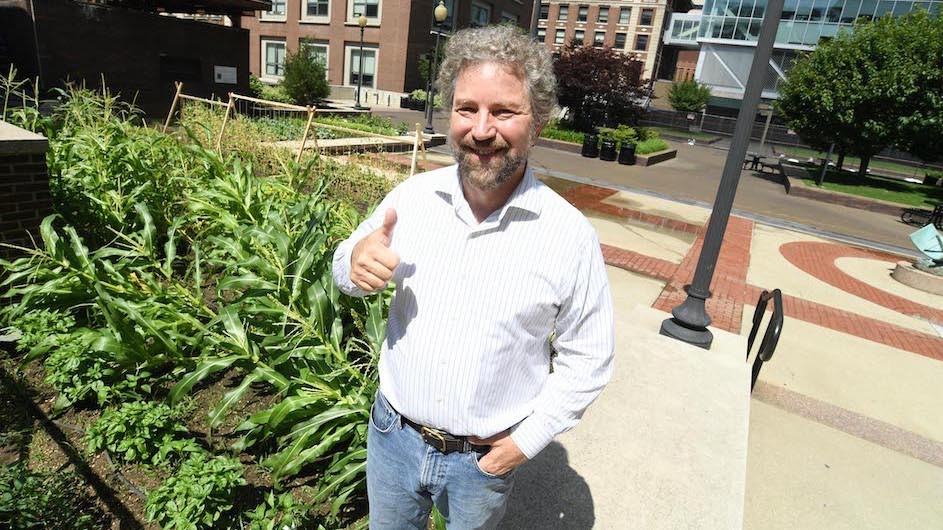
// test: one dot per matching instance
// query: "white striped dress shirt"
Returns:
(467, 345)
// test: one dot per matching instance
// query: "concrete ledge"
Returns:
(16, 141)
(797, 186)
(656, 157)
(908, 275)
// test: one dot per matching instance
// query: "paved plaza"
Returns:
(846, 423)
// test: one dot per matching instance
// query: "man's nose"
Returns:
(484, 127)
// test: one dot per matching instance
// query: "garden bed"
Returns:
(656, 157)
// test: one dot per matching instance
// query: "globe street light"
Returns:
(362, 21)
(441, 13)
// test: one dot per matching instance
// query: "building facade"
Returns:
(727, 31)
(630, 26)
(397, 34)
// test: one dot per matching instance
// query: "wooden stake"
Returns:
(305, 137)
(219, 140)
(173, 105)
(412, 169)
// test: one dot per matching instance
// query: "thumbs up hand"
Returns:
(372, 262)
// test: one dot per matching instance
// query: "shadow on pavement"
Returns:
(548, 493)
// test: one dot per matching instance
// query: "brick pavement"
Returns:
(730, 290)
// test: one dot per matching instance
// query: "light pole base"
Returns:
(360, 107)
(672, 327)
(429, 130)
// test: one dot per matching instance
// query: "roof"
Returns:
(210, 6)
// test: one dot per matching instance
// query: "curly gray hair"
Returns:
(503, 44)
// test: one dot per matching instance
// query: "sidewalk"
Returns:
(846, 430)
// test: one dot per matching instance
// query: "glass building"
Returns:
(727, 30)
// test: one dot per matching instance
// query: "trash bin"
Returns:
(627, 153)
(607, 151)
(404, 102)
(590, 145)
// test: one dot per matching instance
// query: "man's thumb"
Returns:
(389, 221)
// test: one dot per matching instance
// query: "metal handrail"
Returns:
(773, 330)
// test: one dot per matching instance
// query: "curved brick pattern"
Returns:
(656, 220)
(818, 259)
(859, 326)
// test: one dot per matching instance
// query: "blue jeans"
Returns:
(405, 475)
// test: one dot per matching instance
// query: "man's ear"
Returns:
(537, 131)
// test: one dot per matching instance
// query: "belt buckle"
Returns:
(435, 435)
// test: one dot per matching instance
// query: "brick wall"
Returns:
(24, 186)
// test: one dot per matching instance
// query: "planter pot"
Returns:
(627, 154)
(404, 102)
(417, 104)
(590, 145)
(607, 151)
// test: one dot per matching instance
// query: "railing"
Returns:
(773, 330)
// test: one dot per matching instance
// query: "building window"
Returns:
(599, 38)
(641, 43)
(544, 12)
(559, 36)
(579, 37)
(368, 8)
(583, 14)
(620, 41)
(273, 58)
(541, 34)
(369, 66)
(562, 12)
(277, 11)
(624, 14)
(480, 14)
(603, 17)
(508, 17)
(317, 50)
(648, 15)
(317, 8)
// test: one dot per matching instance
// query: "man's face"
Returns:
(491, 125)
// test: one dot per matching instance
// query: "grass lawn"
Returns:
(803, 153)
(681, 133)
(875, 187)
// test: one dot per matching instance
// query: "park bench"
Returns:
(760, 163)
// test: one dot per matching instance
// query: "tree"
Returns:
(305, 81)
(689, 96)
(600, 86)
(870, 88)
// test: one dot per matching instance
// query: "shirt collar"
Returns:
(524, 197)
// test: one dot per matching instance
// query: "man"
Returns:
(488, 265)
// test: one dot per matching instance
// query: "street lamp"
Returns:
(441, 13)
(690, 319)
(362, 21)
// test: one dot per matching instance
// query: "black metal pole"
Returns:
(360, 73)
(533, 19)
(690, 318)
(430, 94)
(828, 158)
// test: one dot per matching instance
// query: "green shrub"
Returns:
(622, 135)
(418, 94)
(38, 501)
(557, 130)
(305, 80)
(263, 90)
(200, 494)
(78, 373)
(689, 96)
(651, 146)
(141, 431)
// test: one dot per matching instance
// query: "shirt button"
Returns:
(443, 361)
(439, 401)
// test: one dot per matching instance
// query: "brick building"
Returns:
(138, 52)
(398, 32)
(630, 26)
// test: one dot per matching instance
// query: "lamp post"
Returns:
(441, 13)
(690, 318)
(362, 21)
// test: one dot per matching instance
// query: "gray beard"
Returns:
(486, 178)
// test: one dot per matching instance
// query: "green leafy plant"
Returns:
(689, 96)
(141, 431)
(622, 135)
(37, 501)
(198, 495)
(278, 512)
(305, 79)
(263, 90)
(651, 146)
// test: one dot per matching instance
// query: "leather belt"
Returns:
(446, 443)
